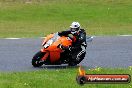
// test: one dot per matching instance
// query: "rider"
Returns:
(78, 48)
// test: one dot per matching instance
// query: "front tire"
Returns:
(36, 61)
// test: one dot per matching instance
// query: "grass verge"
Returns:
(59, 78)
(41, 17)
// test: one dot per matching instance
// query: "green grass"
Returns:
(59, 78)
(37, 19)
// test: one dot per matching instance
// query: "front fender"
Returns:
(43, 50)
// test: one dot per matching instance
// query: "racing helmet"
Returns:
(75, 26)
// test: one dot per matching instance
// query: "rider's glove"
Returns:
(74, 33)
(64, 47)
(61, 47)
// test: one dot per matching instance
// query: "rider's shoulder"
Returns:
(82, 30)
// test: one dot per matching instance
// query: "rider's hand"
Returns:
(64, 47)
(61, 47)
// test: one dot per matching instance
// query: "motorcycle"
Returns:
(51, 54)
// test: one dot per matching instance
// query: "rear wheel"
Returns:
(72, 64)
(36, 61)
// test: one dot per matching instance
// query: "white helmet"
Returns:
(75, 25)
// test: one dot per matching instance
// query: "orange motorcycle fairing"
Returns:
(52, 52)
(54, 56)
(47, 38)
(66, 41)
(45, 56)
(42, 50)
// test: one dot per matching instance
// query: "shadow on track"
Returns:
(55, 67)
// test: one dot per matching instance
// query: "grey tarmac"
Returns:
(103, 51)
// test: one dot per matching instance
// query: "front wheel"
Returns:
(36, 61)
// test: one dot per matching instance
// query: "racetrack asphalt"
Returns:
(103, 51)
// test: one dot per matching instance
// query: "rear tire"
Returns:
(36, 61)
(72, 64)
